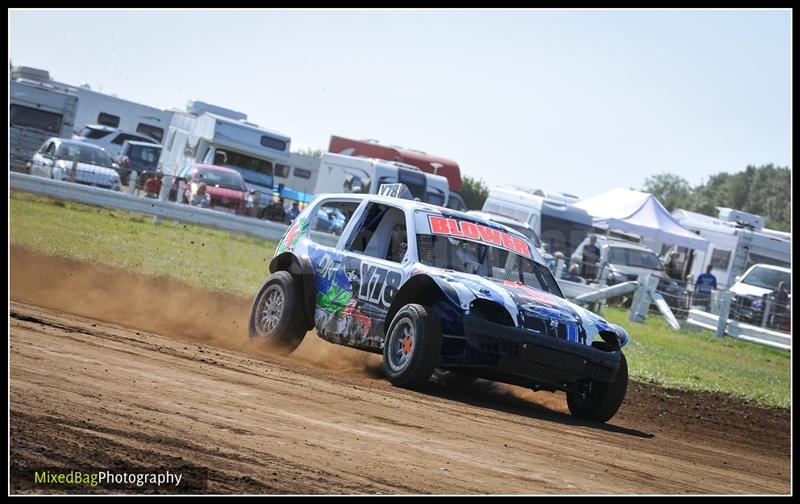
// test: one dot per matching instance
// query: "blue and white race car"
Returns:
(437, 292)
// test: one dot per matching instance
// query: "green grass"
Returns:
(701, 361)
(196, 255)
(234, 264)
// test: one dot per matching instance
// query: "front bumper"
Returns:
(541, 358)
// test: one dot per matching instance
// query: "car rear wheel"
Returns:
(599, 401)
(275, 320)
(413, 346)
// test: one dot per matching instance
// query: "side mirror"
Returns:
(738, 278)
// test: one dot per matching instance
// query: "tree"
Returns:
(474, 192)
(671, 190)
(763, 190)
(308, 151)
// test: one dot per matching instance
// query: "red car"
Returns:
(225, 188)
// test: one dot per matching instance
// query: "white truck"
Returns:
(209, 134)
(339, 173)
(560, 225)
(94, 107)
(37, 112)
(738, 240)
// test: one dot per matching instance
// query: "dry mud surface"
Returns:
(111, 369)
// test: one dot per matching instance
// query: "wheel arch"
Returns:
(303, 273)
(420, 289)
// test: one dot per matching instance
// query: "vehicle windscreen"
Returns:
(147, 156)
(488, 261)
(631, 257)
(221, 179)
(253, 170)
(85, 154)
(768, 278)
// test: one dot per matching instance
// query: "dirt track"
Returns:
(92, 393)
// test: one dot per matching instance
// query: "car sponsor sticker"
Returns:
(477, 232)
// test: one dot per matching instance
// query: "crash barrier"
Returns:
(644, 289)
(158, 208)
(739, 330)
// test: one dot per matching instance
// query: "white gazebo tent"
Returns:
(640, 213)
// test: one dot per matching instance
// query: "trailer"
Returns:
(738, 240)
(210, 134)
(94, 107)
(37, 111)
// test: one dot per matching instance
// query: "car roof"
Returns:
(216, 168)
(146, 144)
(77, 142)
(612, 242)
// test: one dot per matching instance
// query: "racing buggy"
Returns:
(438, 293)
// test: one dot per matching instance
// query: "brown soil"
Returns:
(109, 369)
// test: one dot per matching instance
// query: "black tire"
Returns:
(278, 327)
(603, 399)
(453, 379)
(411, 364)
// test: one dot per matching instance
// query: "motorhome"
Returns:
(209, 134)
(95, 107)
(560, 225)
(296, 179)
(338, 173)
(37, 111)
(426, 162)
(738, 240)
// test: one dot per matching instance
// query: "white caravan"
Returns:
(37, 112)
(95, 107)
(338, 173)
(738, 240)
(209, 134)
(297, 178)
(560, 225)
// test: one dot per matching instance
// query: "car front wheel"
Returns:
(274, 318)
(413, 346)
(599, 401)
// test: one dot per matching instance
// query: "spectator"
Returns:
(780, 305)
(673, 268)
(703, 287)
(152, 186)
(200, 197)
(293, 212)
(574, 274)
(591, 256)
(250, 203)
(275, 211)
(757, 309)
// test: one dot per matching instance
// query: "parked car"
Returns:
(759, 280)
(55, 160)
(111, 139)
(440, 292)
(625, 261)
(225, 187)
(141, 157)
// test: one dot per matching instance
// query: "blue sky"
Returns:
(580, 102)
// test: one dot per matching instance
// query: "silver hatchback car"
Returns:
(57, 157)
